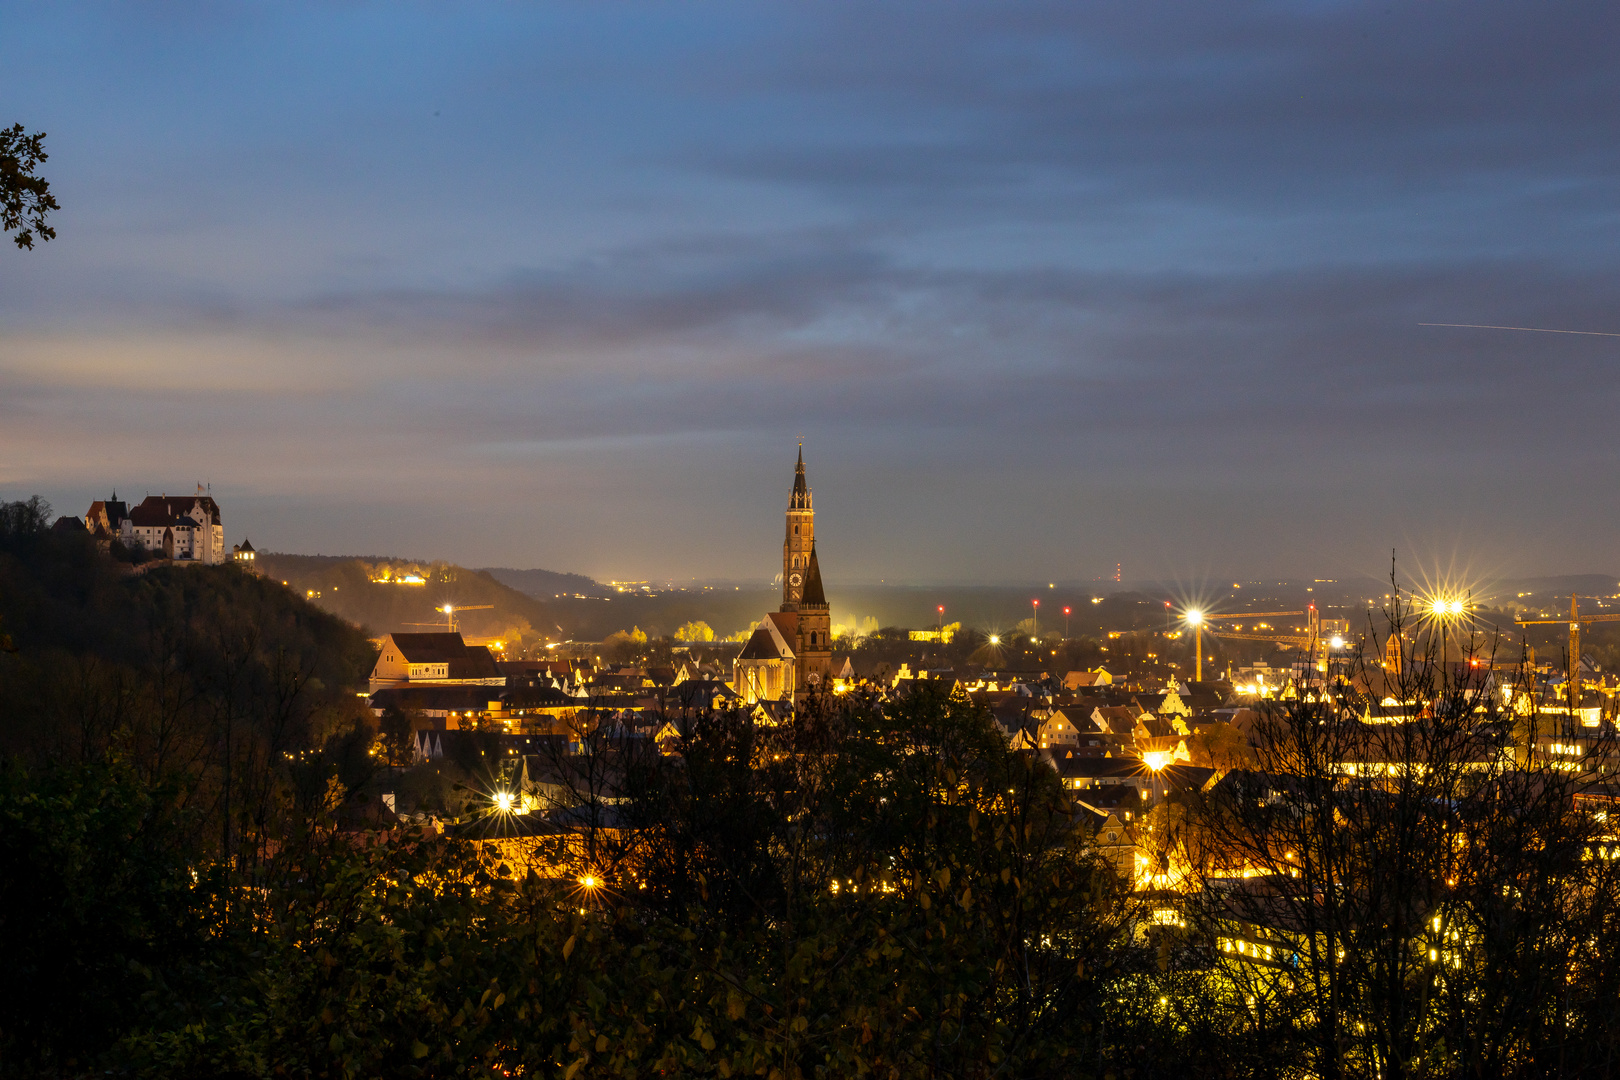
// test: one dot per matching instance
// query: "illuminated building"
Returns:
(436, 659)
(186, 528)
(790, 651)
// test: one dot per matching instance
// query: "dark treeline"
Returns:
(197, 882)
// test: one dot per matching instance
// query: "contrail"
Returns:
(1532, 329)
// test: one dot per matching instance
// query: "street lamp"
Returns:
(1195, 619)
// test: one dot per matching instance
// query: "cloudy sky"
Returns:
(1042, 287)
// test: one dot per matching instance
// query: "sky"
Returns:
(1043, 288)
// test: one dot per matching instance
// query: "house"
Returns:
(1168, 702)
(1117, 719)
(444, 707)
(1113, 834)
(439, 658)
(1161, 740)
(1060, 728)
(701, 695)
(843, 673)
(1078, 680)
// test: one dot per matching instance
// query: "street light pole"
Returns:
(1196, 618)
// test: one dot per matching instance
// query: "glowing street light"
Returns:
(503, 801)
(1195, 619)
(589, 882)
(995, 639)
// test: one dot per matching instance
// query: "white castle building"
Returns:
(184, 527)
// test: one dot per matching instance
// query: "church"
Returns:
(789, 653)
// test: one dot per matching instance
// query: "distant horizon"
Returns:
(1036, 589)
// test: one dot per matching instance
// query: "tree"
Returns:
(25, 196)
(1413, 896)
(694, 631)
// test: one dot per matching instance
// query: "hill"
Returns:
(106, 650)
(387, 595)
(546, 584)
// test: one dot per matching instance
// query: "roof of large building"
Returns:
(156, 511)
(762, 646)
(108, 512)
(465, 661)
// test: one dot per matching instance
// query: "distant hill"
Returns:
(1555, 590)
(387, 595)
(546, 584)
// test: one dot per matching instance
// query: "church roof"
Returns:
(814, 595)
(761, 646)
(463, 661)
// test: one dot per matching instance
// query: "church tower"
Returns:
(801, 539)
(790, 652)
(802, 591)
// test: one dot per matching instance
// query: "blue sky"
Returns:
(1043, 287)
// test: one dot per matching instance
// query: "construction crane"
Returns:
(449, 611)
(1197, 619)
(1575, 619)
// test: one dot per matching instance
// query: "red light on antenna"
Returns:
(1065, 611)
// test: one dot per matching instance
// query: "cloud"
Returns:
(1081, 278)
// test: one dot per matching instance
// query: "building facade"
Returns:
(182, 527)
(789, 653)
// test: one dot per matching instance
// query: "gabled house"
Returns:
(439, 658)
(1083, 680)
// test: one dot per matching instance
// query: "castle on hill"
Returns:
(789, 653)
(181, 527)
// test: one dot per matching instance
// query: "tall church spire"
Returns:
(799, 540)
(800, 499)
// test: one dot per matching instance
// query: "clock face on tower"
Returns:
(795, 580)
